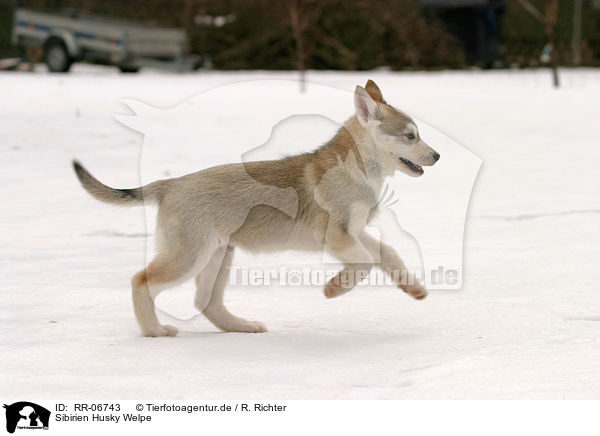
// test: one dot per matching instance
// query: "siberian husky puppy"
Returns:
(312, 201)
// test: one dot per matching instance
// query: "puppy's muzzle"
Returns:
(431, 159)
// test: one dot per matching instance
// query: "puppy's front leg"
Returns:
(392, 264)
(357, 259)
(347, 279)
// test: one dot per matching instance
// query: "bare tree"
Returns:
(303, 16)
(576, 38)
(550, 20)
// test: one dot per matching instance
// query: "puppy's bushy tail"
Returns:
(123, 197)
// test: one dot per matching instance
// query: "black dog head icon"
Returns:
(36, 416)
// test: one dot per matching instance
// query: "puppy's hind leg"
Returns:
(208, 278)
(158, 275)
(166, 270)
(215, 311)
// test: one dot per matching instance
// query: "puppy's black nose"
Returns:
(436, 156)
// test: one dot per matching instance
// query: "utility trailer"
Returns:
(71, 36)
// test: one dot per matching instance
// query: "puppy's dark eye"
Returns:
(410, 136)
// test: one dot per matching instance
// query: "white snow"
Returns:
(526, 323)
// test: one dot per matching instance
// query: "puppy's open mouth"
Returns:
(417, 169)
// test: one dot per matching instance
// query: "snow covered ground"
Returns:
(526, 323)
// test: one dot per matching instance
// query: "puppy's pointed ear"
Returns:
(366, 108)
(374, 91)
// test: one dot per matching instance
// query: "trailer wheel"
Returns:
(128, 69)
(56, 56)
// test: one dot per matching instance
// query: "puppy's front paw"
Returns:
(334, 288)
(163, 330)
(416, 291)
(332, 291)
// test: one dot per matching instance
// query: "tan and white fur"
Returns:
(204, 216)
